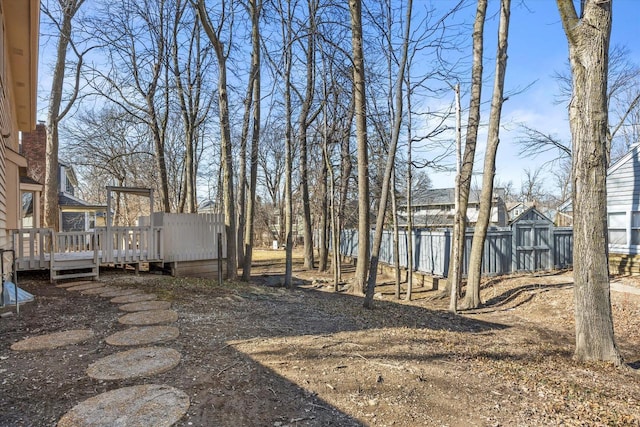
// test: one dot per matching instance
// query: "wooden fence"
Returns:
(525, 248)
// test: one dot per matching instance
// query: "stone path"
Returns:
(145, 306)
(133, 298)
(143, 335)
(145, 318)
(139, 362)
(140, 405)
(55, 340)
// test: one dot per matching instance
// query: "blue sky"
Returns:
(537, 48)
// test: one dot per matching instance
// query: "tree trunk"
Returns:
(50, 209)
(225, 144)
(396, 235)
(303, 126)
(256, 8)
(323, 242)
(287, 36)
(588, 37)
(466, 171)
(455, 247)
(391, 157)
(472, 296)
(360, 102)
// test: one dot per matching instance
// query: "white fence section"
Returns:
(121, 245)
(190, 237)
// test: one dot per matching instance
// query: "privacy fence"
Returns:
(526, 246)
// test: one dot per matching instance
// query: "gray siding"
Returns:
(623, 183)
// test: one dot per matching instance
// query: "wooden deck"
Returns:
(44, 249)
(172, 238)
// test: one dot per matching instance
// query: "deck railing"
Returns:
(130, 244)
(32, 247)
(115, 245)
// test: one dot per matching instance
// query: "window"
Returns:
(27, 210)
(635, 228)
(617, 228)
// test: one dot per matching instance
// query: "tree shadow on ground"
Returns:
(513, 298)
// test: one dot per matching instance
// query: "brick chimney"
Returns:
(34, 145)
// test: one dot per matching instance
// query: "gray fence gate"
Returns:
(532, 242)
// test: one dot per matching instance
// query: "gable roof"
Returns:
(633, 151)
(446, 196)
(531, 214)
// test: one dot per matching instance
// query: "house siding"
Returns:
(6, 125)
(623, 184)
(623, 203)
(19, 22)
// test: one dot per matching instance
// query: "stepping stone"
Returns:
(120, 292)
(146, 306)
(140, 405)
(139, 362)
(134, 298)
(151, 317)
(144, 335)
(71, 284)
(54, 340)
(94, 285)
(98, 291)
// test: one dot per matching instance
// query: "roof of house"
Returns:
(633, 150)
(22, 20)
(65, 200)
(446, 196)
(531, 214)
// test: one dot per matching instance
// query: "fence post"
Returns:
(219, 238)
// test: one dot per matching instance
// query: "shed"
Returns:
(623, 213)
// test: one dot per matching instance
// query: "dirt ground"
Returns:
(259, 355)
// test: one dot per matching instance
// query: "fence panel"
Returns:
(190, 237)
(506, 249)
(563, 247)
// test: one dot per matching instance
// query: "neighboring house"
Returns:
(436, 209)
(516, 209)
(564, 214)
(75, 213)
(623, 212)
(18, 85)
(208, 207)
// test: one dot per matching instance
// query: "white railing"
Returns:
(130, 244)
(32, 248)
(115, 245)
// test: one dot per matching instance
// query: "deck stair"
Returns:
(74, 256)
(74, 269)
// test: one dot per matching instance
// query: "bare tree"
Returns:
(305, 119)
(466, 170)
(391, 158)
(355, 8)
(214, 34)
(255, 8)
(136, 47)
(472, 295)
(588, 36)
(191, 94)
(62, 18)
(532, 182)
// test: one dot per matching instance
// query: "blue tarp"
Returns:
(9, 294)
